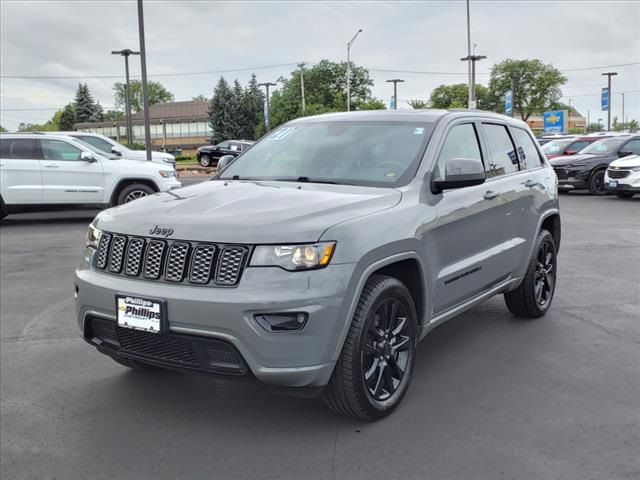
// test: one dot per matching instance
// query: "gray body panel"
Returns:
(467, 249)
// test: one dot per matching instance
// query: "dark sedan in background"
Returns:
(209, 155)
(586, 170)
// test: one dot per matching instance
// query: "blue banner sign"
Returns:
(554, 122)
(604, 100)
(508, 102)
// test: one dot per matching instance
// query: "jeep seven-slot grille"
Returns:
(173, 261)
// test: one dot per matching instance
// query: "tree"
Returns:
(536, 85)
(220, 112)
(253, 107)
(2, 129)
(373, 104)
(113, 116)
(418, 104)
(67, 118)
(85, 108)
(457, 96)
(200, 98)
(157, 93)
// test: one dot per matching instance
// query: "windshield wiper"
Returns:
(318, 180)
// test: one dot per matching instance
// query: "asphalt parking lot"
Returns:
(492, 397)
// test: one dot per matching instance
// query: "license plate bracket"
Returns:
(141, 313)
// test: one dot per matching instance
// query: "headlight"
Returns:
(635, 169)
(93, 236)
(293, 257)
(167, 173)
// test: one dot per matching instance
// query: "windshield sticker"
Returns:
(418, 131)
(391, 174)
(280, 134)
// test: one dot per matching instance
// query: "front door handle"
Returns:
(51, 165)
(490, 194)
(530, 183)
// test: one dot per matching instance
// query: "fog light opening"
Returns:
(282, 322)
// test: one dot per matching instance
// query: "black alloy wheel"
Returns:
(545, 276)
(596, 183)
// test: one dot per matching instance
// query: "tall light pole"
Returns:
(266, 110)
(471, 95)
(349, 69)
(145, 93)
(395, 82)
(609, 75)
(302, 86)
(472, 59)
(127, 90)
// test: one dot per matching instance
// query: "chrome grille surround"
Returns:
(172, 261)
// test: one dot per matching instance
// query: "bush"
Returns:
(185, 158)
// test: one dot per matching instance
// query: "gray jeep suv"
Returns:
(318, 259)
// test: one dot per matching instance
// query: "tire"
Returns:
(524, 301)
(625, 194)
(363, 384)
(4, 211)
(133, 192)
(135, 365)
(596, 183)
(205, 160)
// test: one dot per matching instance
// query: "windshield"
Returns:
(604, 147)
(98, 143)
(355, 153)
(556, 146)
(90, 147)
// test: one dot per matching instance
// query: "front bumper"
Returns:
(571, 178)
(289, 359)
(166, 184)
(629, 183)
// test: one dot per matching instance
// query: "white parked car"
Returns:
(43, 170)
(109, 146)
(623, 176)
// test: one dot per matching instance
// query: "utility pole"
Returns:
(471, 103)
(609, 75)
(266, 110)
(472, 59)
(569, 117)
(145, 93)
(395, 82)
(349, 69)
(302, 86)
(127, 91)
(586, 127)
(624, 122)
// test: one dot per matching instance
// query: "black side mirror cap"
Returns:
(459, 173)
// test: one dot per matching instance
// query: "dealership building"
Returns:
(174, 126)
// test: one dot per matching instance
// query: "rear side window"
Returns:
(59, 150)
(502, 155)
(97, 142)
(579, 145)
(19, 149)
(461, 142)
(527, 151)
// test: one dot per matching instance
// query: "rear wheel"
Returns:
(133, 192)
(596, 183)
(625, 194)
(533, 297)
(205, 160)
(376, 364)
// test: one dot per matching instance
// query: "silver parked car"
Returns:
(317, 260)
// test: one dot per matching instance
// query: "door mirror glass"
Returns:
(624, 153)
(460, 172)
(87, 157)
(224, 162)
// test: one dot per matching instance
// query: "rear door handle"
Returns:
(490, 194)
(530, 183)
(52, 165)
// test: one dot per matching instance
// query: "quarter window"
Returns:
(19, 149)
(527, 151)
(502, 154)
(461, 142)
(59, 150)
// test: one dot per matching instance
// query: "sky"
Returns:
(191, 43)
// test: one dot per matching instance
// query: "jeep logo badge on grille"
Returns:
(162, 232)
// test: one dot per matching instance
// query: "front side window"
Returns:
(224, 145)
(19, 149)
(528, 153)
(97, 142)
(59, 150)
(502, 155)
(579, 145)
(604, 147)
(633, 146)
(461, 142)
(356, 153)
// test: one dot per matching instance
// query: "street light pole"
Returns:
(469, 68)
(127, 91)
(266, 111)
(395, 82)
(472, 59)
(145, 93)
(349, 69)
(609, 75)
(302, 86)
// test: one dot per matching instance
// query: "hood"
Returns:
(578, 159)
(630, 161)
(248, 212)
(159, 157)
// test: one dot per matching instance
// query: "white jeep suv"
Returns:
(44, 170)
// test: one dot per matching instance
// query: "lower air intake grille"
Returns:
(163, 347)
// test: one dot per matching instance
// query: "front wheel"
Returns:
(133, 192)
(596, 183)
(205, 160)
(533, 297)
(375, 367)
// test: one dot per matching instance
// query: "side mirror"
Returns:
(623, 153)
(570, 152)
(116, 151)
(87, 157)
(460, 172)
(224, 162)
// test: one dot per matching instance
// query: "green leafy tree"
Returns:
(2, 129)
(372, 104)
(113, 116)
(536, 86)
(67, 118)
(594, 127)
(457, 96)
(157, 93)
(200, 98)
(418, 104)
(86, 109)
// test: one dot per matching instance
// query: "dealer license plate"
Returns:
(140, 313)
(613, 184)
